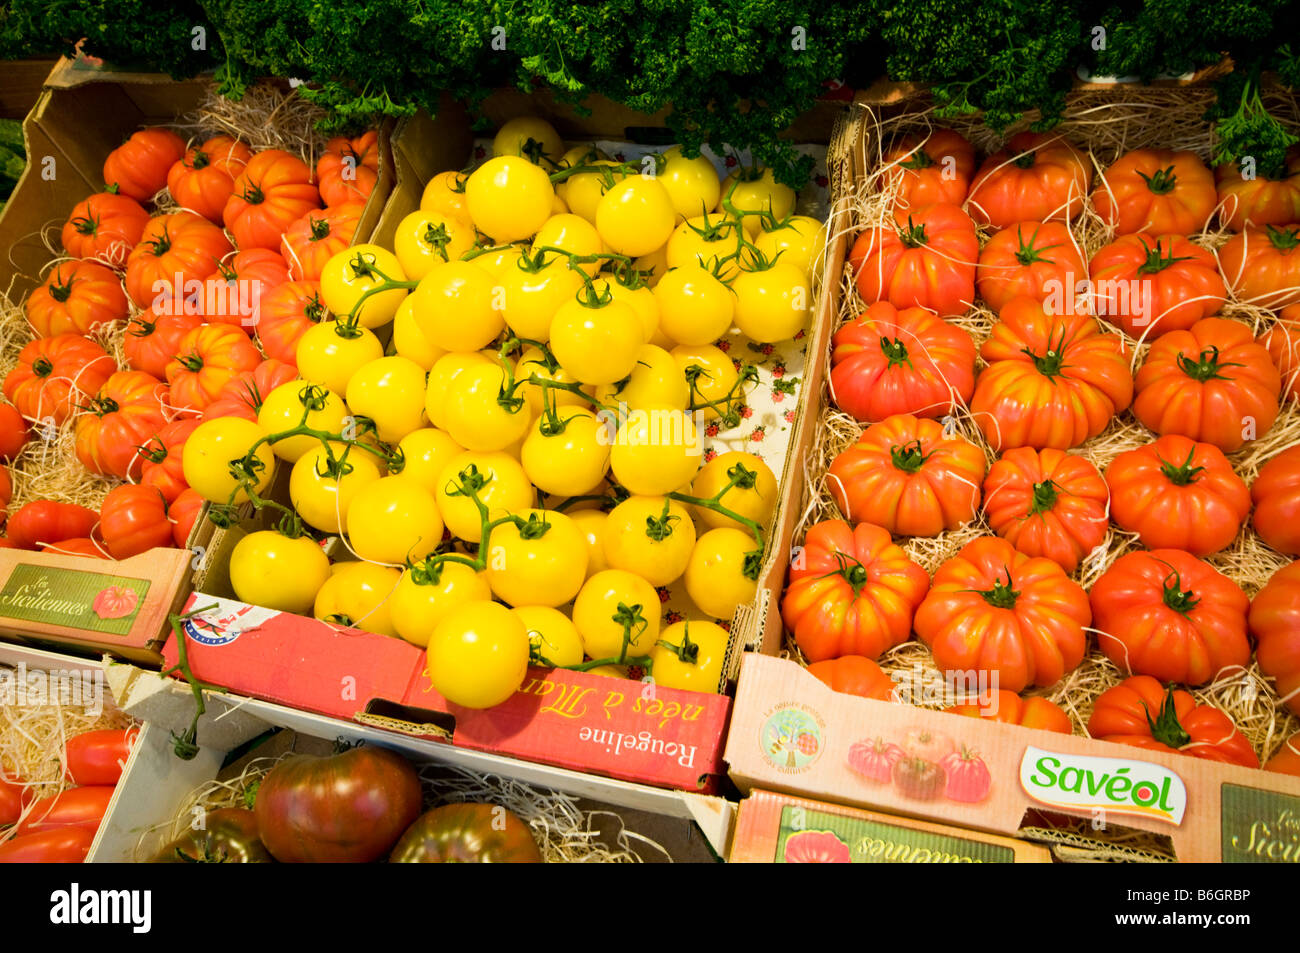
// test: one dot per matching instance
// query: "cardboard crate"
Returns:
(1208, 812)
(693, 826)
(82, 114)
(777, 828)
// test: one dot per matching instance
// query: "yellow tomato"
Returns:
(409, 341)
(542, 563)
(592, 524)
(426, 452)
(656, 263)
(573, 234)
(694, 306)
(723, 571)
(357, 595)
(474, 413)
(754, 496)
(533, 365)
(552, 636)
(348, 277)
(692, 184)
(502, 487)
(442, 375)
(271, 570)
(655, 381)
(709, 242)
(297, 402)
(656, 452)
(426, 240)
(445, 194)
(391, 392)
(710, 374)
(455, 307)
(502, 260)
(509, 198)
(321, 492)
(641, 300)
(331, 353)
(596, 345)
(651, 536)
(584, 190)
(636, 216)
(531, 137)
(772, 305)
(478, 655)
(697, 657)
(572, 462)
(424, 597)
(392, 520)
(529, 299)
(213, 447)
(796, 242)
(601, 622)
(756, 192)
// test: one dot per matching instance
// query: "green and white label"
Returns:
(1117, 786)
(94, 601)
(817, 837)
(1259, 827)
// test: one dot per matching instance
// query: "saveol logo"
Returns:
(1080, 783)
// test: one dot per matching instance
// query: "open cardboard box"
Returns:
(789, 732)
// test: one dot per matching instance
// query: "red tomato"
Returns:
(139, 166)
(204, 178)
(97, 757)
(967, 777)
(163, 454)
(288, 312)
(1036, 177)
(184, 511)
(348, 168)
(1262, 265)
(245, 393)
(13, 797)
(181, 246)
(906, 475)
(210, 357)
(78, 546)
(133, 520)
(1156, 190)
(1038, 259)
(75, 807)
(1010, 709)
(1282, 341)
(852, 592)
(115, 602)
(152, 339)
(1047, 503)
(1212, 383)
(927, 261)
(1259, 200)
(890, 362)
(875, 760)
(42, 522)
(928, 172)
(855, 675)
(1176, 493)
(1286, 760)
(233, 295)
(1276, 494)
(56, 375)
(274, 190)
(1149, 284)
(76, 298)
(992, 609)
(120, 419)
(13, 432)
(60, 845)
(1275, 624)
(1051, 380)
(104, 227)
(1172, 616)
(317, 237)
(1139, 711)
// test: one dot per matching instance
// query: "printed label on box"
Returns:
(98, 602)
(815, 837)
(792, 737)
(224, 620)
(1259, 827)
(1078, 782)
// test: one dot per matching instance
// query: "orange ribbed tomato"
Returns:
(1259, 200)
(1167, 614)
(139, 166)
(992, 609)
(1275, 624)
(1262, 265)
(888, 362)
(274, 190)
(925, 260)
(105, 227)
(75, 298)
(288, 312)
(926, 172)
(317, 237)
(153, 339)
(855, 675)
(1010, 709)
(1276, 495)
(1141, 712)
(210, 356)
(1047, 503)
(1212, 383)
(176, 252)
(907, 475)
(133, 520)
(1035, 177)
(120, 419)
(852, 591)
(1282, 341)
(1038, 259)
(1149, 284)
(1156, 190)
(234, 294)
(203, 180)
(163, 455)
(54, 376)
(244, 394)
(349, 168)
(1052, 380)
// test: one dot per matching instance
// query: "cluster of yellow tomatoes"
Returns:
(534, 440)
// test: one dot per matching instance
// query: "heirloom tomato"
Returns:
(120, 419)
(209, 357)
(1261, 199)
(152, 340)
(478, 655)
(228, 836)
(1169, 615)
(1286, 760)
(966, 776)
(138, 167)
(174, 252)
(76, 298)
(42, 522)
(272, 192)
(104, 227)
(55, 376)
(993, 609)
(925, 259)
(245, 394)
(925, 172)
(1039, 259)
(1275, 624)
(467, 834)
(1150, 284)
(874, 760)
(1140, 711)
(287, 312)
(1262, 265)
(1156, 190)
(1276, 495)
(1035, 177)
(1009, 708)
(183, 513)
(1283, 343)
(133, 520)
(203, 179)
(348, 168)
(855, 675)
(13, 433)
(309, 243)
(278, 572)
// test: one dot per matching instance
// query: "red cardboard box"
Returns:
(613, 727)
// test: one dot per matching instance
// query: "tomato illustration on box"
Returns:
(924, 767)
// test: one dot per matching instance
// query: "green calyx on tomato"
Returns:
(895, 352)
(1206, 366)
(1165, 727)
(855, 575)
(1001, 596)
(1157, 260)
(1045, 497)
(1181, 600)
(908, 457)
(688, 651)
(1026, 160)
(660, 527)
(1183, 475)
(633, 621)
(913, 236)
(535, 527)
(1162, 181)
(436, 237)
(1027, 254)
(920, 159)
(1284, 238)
(60, 292)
